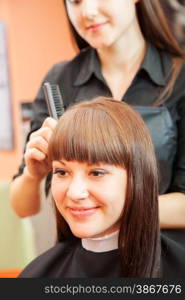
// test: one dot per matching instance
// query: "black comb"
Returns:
(54, 100)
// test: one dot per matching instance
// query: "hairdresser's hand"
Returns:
(36, 160)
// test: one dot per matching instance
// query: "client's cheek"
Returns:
(58, 199)
(61, 209)
(57, 192)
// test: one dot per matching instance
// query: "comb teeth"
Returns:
(54, 100)
(57, 99)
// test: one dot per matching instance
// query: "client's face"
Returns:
(89, 197)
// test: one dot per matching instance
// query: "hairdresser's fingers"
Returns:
(35, 154)
(44, 132)
(49, 122)
(39, 143)
(37, 165)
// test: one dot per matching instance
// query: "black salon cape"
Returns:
(66, 260)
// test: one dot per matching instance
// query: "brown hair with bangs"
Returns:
(109, 131)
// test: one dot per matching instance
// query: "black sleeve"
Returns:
(178, 183)
(39, 106)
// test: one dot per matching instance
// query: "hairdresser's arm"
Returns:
(25, 189)
(25, 195)
(172, 210)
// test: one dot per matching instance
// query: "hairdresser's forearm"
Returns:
(172, 210)
(25, 195)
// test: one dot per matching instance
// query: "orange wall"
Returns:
(37, 37)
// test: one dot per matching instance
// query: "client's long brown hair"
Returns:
(109, 131)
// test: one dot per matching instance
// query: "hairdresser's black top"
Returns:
(67, 260)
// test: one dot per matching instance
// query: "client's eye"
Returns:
(98, 173)
(60, 172)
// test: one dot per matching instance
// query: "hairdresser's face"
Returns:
(102, 22)
(89, 197)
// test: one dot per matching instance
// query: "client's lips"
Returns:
(83, 211)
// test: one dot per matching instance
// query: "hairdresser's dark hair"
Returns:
(156, 30)
(109, 131)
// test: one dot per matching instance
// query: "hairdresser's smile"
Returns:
(94, 27)
(89, 197)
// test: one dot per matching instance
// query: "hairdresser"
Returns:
(126, 51)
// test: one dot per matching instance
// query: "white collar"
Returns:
(102, 244)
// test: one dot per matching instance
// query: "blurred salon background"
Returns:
(33, 36)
